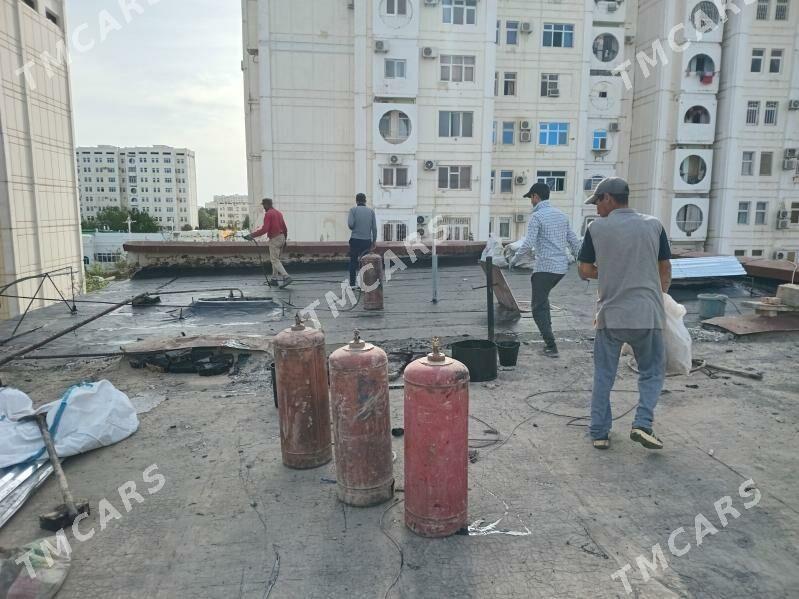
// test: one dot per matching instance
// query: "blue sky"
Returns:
(170, 75)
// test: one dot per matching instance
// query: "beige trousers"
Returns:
(275, 249)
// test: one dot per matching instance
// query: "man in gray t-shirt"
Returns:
(363, 224)
(630, 255)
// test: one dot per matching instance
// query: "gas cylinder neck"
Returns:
(436, 355)
(356, 342)
(298, 325)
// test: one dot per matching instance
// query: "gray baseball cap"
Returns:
(611, 185)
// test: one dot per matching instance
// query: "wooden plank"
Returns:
(752, 324)
(502, 291)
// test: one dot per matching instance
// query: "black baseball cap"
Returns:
(615, 186)
(539, 189)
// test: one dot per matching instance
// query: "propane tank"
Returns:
(303, 401)
(372, 281)
(436, 444)
(361, 423)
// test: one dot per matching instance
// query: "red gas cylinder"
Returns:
(361, 423)
(303, 400)
(372, 281)
(436, 444)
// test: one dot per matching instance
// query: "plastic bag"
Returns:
(87, 416)
(526, 260)
(17, 583)
(676, 338)
(494, 249)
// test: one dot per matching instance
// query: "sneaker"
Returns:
(646, 437)
(272, 283)
(286, 282)
(602, 442)
(550, 351)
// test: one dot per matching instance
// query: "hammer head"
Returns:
(61, 518)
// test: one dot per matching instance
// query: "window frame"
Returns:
(760, 60)
(771, 113)
(784, 14)
(512, 32)
(555, 179)
(455, 121)
(744, 209)
(462, 173)
(748, 165)
(467, 9)
(600, 135)
(395, 62)
(761, 213)
(753, 109)
(506, 176)
(394, 170)
(776, 60)
(550, 82)
(467, 63)
(766, 159)
(548, 128)
(396, 4)
(565, 31)
(762, 10)
(510, 80)
(506, 131)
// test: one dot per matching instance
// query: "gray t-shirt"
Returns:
(362, 223)
(626, 247)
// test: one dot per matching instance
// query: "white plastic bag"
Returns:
(87, 416)
(676, 338)
(494, 249)
(526, 260)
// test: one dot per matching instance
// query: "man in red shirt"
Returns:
(275, 229)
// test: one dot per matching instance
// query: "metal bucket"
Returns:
(711, 305)
(479, 356)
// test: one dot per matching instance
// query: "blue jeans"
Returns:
(650, 353)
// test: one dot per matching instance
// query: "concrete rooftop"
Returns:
(231, 521)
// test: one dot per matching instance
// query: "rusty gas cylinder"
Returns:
(436, 444)
(372, 281)
(361, 423)
(303, 401)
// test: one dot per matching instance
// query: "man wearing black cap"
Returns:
(629, 253)
(549, 233)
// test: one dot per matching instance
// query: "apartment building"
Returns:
(435, 108)
(39, 214)
(158, 180)
(233, 211)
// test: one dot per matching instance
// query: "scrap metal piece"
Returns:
(706, 268)
(17, 484)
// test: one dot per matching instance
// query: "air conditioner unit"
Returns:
(614, 127)
(793, 104)
(394, 159)
(526, 136)
(520, 180)
(782, 215)
(782, 223)
(780, 255)
(422, 220)
(431, 2)
(789, 165)
(429, 52)
(525, 125)
(381, 46)
(526, 27)
(790, 153)
(429, 165)
(629, 40)
(519, 218)
(612, 6)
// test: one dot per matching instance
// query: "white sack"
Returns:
(494, 249)
(88, 416)
(676, 338)
(526, 260)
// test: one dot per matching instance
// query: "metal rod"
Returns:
(490, 296)
(241, 293)
(7, 339)
(30, 303)
(71, 356)
(74, 327)
(69, 502)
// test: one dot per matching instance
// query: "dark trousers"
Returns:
(358, 247)
(543, 283)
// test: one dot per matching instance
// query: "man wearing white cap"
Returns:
(629, 254)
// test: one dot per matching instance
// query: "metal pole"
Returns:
(490, 296)
(35, 346)
(435, 272)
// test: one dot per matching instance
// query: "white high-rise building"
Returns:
(158, 180)
(39, 215)
(232, 211)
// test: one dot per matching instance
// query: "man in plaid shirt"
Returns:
(549, 234)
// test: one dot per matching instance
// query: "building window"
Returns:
(395, 176)
(743, 213)
(549, 85)
(395, 68)
(693, 169)
(757, 60)
(455, 177)
(460, 12)
(457, 68)
(508, 132)
(493, 180)
(31, 3)
(509, 88)
(505, 181)
(591, 184)
(499, 27)
(504, 227)
(689, 219)
(558, 35)
(739, 253)
(556, 180)
(748, 164)
(705, 17)
(763, 7)
(496, 83)
(775, 64)
(455, 124)
(781, 14)
(757, 253)
(752, 113)
(761, 210)
(395, 231)
(600, 140)
(795, 213)
(51, 16)
(770, 114)
(553, 134)
(512, 33)
(397, 7)
(697, 115)
(457, 228)
(765, 163)
(494, 133)
(395, 127)
(606, 47)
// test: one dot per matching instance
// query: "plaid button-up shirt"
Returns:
(549, 234)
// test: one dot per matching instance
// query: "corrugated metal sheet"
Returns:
(706, 268)
(17, 484)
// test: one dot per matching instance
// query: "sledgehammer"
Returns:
(63, 515)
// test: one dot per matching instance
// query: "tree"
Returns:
(116, 219)
(246, 224)
(186, 228)
(207, 218)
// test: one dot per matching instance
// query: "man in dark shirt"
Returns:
(630, 255)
